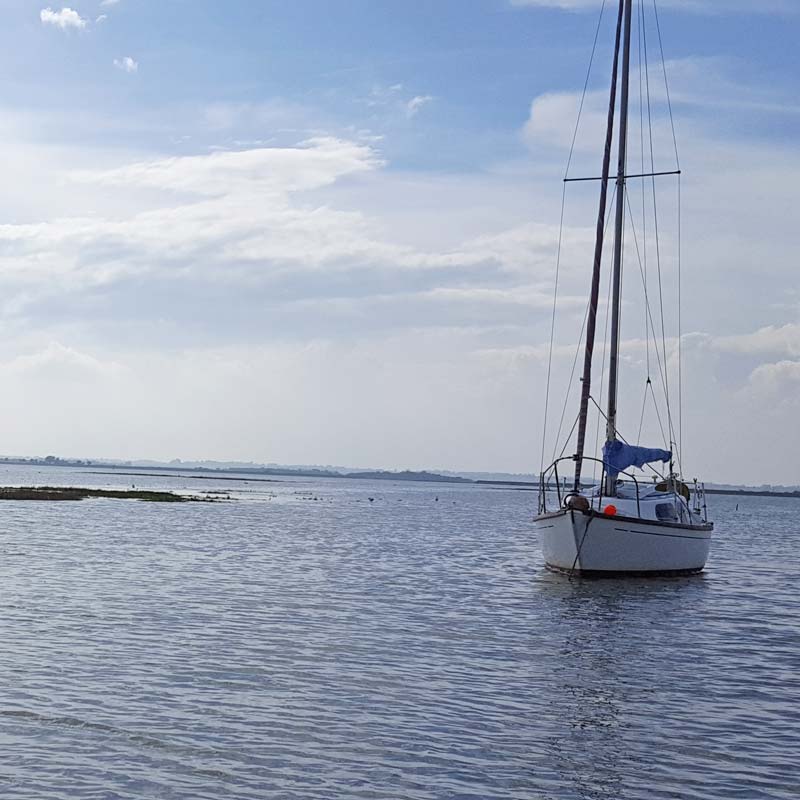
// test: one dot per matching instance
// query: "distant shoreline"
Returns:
(287, 472)
(753, 493)
(224, 473)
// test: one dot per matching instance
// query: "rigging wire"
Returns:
(641, 417)
(658, 413)
(585, 88)
(569, 384)
(561, 238)
(680, 327)
(678, 165)
(640, 21)
(680, 233)
(679, 243)
(644, 218)
(649, 390)
(662, 367)
(656, 232)
(645, 99)
(666, 84)
(553, 324)
(578, 350)
(569, 436)
(602, 373)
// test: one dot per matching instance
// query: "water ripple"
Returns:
(292, 647)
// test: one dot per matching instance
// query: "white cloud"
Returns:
(106, 3)
(270, 170)
(247, 222)
(286, 273)
(64, 19)
(395, 99)
(416, 104)
(381, 95)
(698, 83)
(101, 18)
(126, 64)
(772, 340)
(782, 377)
(60, 362)
(552, 119)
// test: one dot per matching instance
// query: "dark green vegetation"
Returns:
(752, 493)
(80, 493)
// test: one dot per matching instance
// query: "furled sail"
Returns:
(619, 456)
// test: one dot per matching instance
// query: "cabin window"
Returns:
(666, 512)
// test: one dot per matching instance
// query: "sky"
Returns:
(327, 232)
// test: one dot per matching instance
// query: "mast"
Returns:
(591, 324)
(613, 366)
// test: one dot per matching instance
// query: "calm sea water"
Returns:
(304, 642)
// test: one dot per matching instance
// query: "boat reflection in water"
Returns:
(606, 683)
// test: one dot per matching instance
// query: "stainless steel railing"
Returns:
(550, 482)
(551, 474)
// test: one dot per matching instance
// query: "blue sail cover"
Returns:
(619, 456)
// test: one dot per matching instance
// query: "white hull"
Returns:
(589, 542)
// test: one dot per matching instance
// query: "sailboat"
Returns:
(623, 525)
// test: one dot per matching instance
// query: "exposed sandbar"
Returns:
(81, 493)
